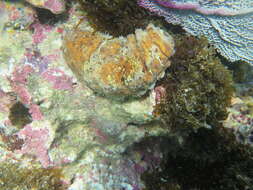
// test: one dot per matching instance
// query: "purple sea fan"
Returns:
(228, 24)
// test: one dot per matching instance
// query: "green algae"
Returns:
(13, 176)
(198, 87)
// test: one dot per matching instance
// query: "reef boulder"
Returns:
(118, 67)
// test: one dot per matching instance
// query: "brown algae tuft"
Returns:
(198, 88)
(117, 17)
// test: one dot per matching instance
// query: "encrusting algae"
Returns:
(124, 66)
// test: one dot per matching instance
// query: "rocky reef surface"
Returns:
(83, 109)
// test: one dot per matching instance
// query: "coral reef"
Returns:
(60, 119)
(197, 88)
(71, 126)
(118, 67)
(226, 24)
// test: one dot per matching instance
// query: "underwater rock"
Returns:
(118, 67)
(15, 16)
(226, 24)
(240, 118)
(15, 20)
(69, 125)
(55, 6)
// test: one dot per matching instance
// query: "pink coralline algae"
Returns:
(55, 6)
(35, 143)
(59, 79)
(33, 61)
(226, 24)
(35, 112)
(159, 94)
(40, 32)
(19, 81)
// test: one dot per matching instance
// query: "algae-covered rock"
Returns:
(65, 113)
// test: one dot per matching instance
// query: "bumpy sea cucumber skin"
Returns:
(231, 35)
